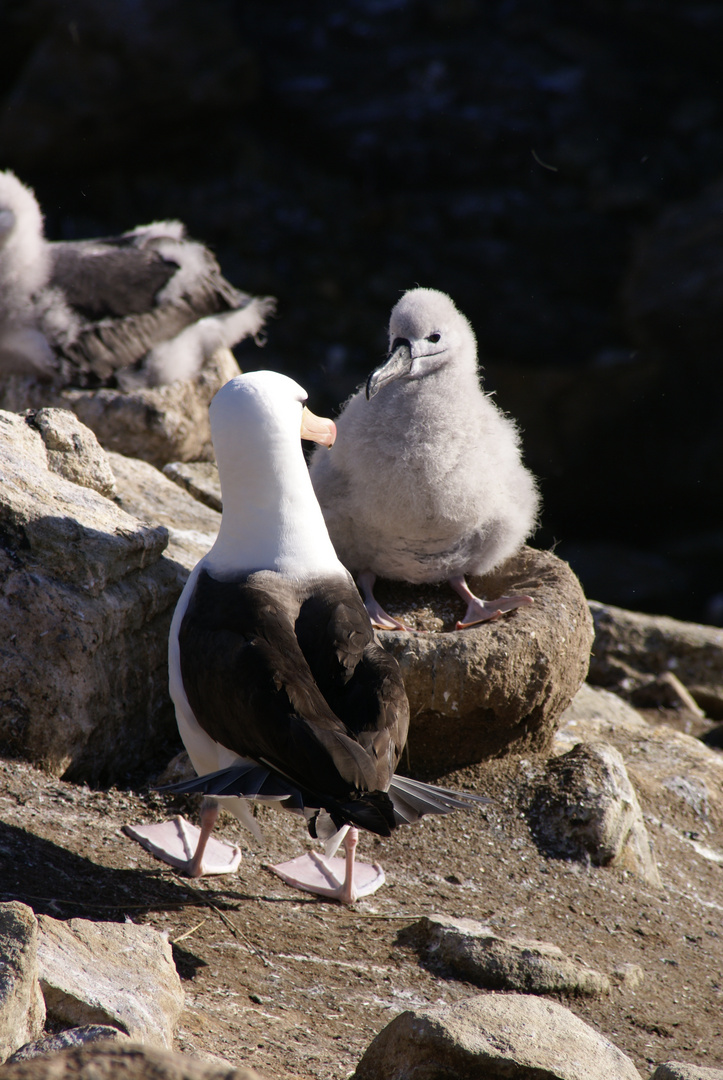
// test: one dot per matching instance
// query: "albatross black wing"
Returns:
(360, 681)
(295, 681)
(252, 690)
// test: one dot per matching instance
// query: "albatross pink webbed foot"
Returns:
(338, 879)
(187, 847)
(377, 614)
(479, 611)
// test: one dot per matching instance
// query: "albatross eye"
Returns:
(434, 338)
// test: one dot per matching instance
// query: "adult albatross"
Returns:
(281, 692)
(140, 309)
(425, 482)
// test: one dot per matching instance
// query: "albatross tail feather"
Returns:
(412, 799)
(370, 810)
(247, 781)
(376, 811)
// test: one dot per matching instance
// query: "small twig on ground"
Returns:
(191, 931)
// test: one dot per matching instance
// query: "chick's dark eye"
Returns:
(434, 338)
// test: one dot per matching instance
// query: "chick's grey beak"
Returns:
(398, 364)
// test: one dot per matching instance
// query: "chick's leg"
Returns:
(479, 611)
(377, 614)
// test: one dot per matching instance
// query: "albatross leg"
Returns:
(339, 879)
(209, 816)
(186, 847)
(479, 611)
(377, 614)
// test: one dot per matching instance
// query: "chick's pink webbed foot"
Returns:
(479, 611)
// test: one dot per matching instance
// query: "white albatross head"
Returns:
(265, 401)
(426, 333)
(271, 518)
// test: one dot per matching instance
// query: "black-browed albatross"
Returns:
(141, 309)
(281, 692)
(425, 482)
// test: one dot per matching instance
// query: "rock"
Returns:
(77, 1036)
(466, 949)
(178, 768)
(666, 691)
(675, 1070)
(82, 537)
(630, 647)
(593, 710)
(586, 808)
(146, 493)
(500, 687)
(86, 600)
(670, 770)
(131, 1062)
(199, 478)
(22, 1010)
(493, 1037)
(73, 450)
(110, 973)
(628, 976)
(157, 424)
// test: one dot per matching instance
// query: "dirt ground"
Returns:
(297, 987)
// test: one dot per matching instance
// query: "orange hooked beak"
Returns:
(317, 428)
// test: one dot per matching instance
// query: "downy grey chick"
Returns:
(140, 309)
(425, 481)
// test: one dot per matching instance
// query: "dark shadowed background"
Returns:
(556, 167)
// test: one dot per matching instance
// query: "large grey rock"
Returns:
(675, 1070)
(467, 949)
(77, 1036)
(602, 707)
(131, 1062)
(82, 537)
(73, 451)
(630, 647)
(110, 973)
(586, 808)
(144, 491)
(22, 1010)
(668, 767)
(493, 1037)
(501, 686)
(86, 599)
(158, 424)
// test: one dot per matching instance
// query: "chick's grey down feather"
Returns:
(425, 481)
(147, 306)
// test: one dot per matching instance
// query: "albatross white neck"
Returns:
(271, 518)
